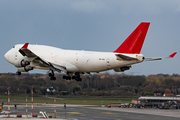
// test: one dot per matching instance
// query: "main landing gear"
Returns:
(75, 77)
(69, 76)
(18, 73)
(51, 75)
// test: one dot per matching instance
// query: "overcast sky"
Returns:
(93, 25)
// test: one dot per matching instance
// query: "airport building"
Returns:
(158, 102)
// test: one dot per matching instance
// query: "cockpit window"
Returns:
(13, 46)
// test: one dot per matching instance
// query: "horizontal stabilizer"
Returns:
(160, 58)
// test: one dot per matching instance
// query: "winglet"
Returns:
(25, 46)
(172, 55)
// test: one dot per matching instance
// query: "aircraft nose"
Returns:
(6, 56)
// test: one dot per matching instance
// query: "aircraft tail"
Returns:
(134, 43)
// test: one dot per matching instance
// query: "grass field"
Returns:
(82, 101)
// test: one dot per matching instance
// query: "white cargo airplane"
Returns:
(27, 57)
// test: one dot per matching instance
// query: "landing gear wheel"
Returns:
(51, 75)
(53, 78)
(73, 77)
(18, 73)
(64, 77)
(78, 79)
(67, 77)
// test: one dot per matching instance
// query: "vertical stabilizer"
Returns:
(134, 43)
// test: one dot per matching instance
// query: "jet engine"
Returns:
(122, 69)
(25, 69)
(21, 63)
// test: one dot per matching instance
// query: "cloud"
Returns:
(131, 7)
(178, 8)
(89, 6)
(148, 7)
(96, 6)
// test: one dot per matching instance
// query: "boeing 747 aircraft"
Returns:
(27, 57)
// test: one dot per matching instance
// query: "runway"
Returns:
(80, 112)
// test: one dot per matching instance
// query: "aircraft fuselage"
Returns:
(73, 60)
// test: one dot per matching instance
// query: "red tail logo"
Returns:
(134, 42)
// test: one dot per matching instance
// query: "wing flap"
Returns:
(58, 67)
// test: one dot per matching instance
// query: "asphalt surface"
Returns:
(76, 112)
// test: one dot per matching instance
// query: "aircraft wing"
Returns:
(160, 58)
(29, 54)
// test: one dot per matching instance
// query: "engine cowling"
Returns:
(25, 69)
(122, 69)
(21, 63)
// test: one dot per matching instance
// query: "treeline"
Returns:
(91, 85)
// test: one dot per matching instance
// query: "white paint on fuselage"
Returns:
(73, 60)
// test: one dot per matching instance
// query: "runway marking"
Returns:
(60, 113)
(83, 115)
(108, 113)
(125, 114)
(74, 112)
(158, 117)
